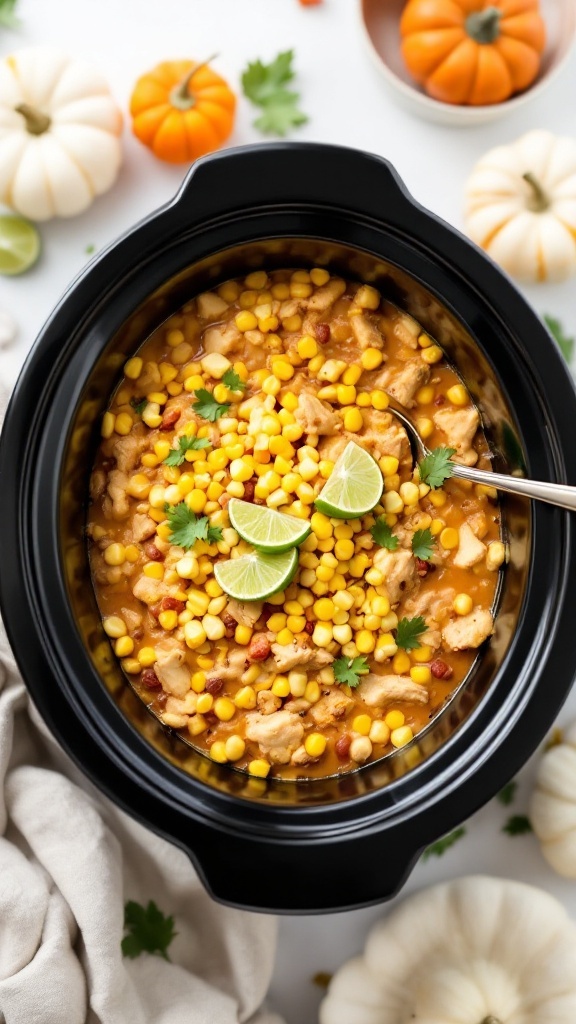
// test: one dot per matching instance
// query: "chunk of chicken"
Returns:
(150, 379)
(459, 426)
(127, 450)
(97, 484)
(222, 338)
(365, 332)
(403, 385)
(406, 329)
(376, 691)
(210, 306)
(383, 435)
(278, 735)
(301, 757)
(468, 630)
(326, 295)
(331, 708)
(436, 608)
(142, 527)
(292, 655)
(117, 484)
(172, 671)
(470, 549)
(246, 613)
(149, 590)
(132, 619)
(268, 702)
(231, 666)
(182, 705)
(399, 571)
(315, 416)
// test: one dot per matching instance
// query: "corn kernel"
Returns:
(245, 321)
(421, 674)
(108, 421)
(198, 681)
(449, 538)
(365, 641)
(315, 744)
(168, 619)
(362, 724)
(344, 550)
(312, 692)
(245, 698)
(457, 395)
(224, 709)
(425, 395)
(204, 703)
(401, 664)
(123, 646)
(438, 498)
(462, 603)
(483, 491)
(307, 347)
(234, 747)
(389, 465)
(353, 420)
(114, 627)
(379, 732)
(218, 752)
(346, 394)
(395, 719)
(425, 427)
(133, 368)
(282, 369)
(401, 736)
(409, 493)
(371, 358)
(194, 634)
(151, 415)
(196, 725)
(432, 354)
(124, 423)
(360, 749)
(379, 400)
(259, 767)
(284, 637)
(281, 686)
(422, 654)
(393, 502)
(495, 555)
(131, 666)
(115, 554)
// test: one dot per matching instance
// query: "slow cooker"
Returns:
(324, 844)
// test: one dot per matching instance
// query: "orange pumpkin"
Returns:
(182, 110)
(472, 51)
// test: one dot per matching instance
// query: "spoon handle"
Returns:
(562, 495)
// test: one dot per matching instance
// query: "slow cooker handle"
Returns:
(283, 174)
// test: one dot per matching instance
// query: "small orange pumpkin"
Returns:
(182, 110)
(472, 51)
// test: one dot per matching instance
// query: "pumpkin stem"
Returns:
(484, 26)
(537, 201)
(180, 96)
(36, 122)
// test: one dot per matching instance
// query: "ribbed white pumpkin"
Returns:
(475, 951)
(521, 206)
(59, 134)
(553, 805)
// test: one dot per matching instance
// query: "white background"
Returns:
(348, 104)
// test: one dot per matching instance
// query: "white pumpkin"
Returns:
(59, 134)
(553, 805)
(475, 951)
(521, 206)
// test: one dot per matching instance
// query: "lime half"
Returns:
(258, 575)
(265, 528)
(354, 486)
(19, 245)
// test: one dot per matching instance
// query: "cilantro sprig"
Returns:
(382, 534)
(517, 825)
(177, 455)
(232, 381)
(265, 86)
(436, 467)
(149, 930)
(507, 794)
(207, 407)
(565, 343)
(423, 545)
(349, 670)
(439, 848)
(139, 404)
(7, 16)
(186, 527)
(408, 631)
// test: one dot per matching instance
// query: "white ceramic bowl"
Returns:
(379, 21)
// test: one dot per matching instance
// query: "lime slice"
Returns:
(256, 576)
(265, 528)
(19, 245)
(354, 486)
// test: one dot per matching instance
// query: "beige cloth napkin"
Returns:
(69, 859)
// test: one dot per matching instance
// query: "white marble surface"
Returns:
(348, 104)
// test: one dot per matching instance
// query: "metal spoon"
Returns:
(562, 495)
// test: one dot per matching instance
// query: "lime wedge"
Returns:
(256, 576)
(265, 528)
(19, 245)
(354, 486)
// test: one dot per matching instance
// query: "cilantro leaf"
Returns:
(139, 404)
(264, 85)
(435, 468)
(507, 794)
(90, 249)
(440, 847)
(408, 631)
(382, 534)
(149, 930)
(185, 444)
(556, 329)
(233, 381)
(348, 670)
(423, 544)
(517, 825)
(7, 15)
(186, 528)
(207, 407)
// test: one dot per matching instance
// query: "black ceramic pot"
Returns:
(271, 845)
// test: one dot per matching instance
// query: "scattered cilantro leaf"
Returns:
(265, 86)
(207, 407)
(382, 534)
(139, 404)
(408, 631)
(185, 444)
(149, 930)
(565, 344)
(507, 794)
(348, 670)
(233, 381)
(90, 249)
(517, 825)
(438, 848)
(436, 467)
(423, 544)
(186, 527)
(7, 16)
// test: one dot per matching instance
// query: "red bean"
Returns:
(214, 685)
(229, 620)
(439, 400)
(152, 552)
(322, 333)
(170, 417)
(309, 628)
(440, 669)
(422, 566)
(150, 679)
(249, 490)
(172, 604)
(259, 648)
(342, 746)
